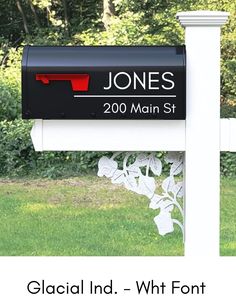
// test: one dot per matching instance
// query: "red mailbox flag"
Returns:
(79, 82)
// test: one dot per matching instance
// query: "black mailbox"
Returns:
(104, 82)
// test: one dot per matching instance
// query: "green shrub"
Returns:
(228, 164)
(228, 111)
(10, 80)
(18, 158)
(228, 73)
(16, 151)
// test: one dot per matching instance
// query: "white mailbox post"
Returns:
(202, 136)
(202, 39)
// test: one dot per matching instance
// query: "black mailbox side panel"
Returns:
(104, 83)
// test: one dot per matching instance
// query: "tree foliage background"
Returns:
(91, 22)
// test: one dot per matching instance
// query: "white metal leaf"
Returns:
(164, 223)
(142, 160)
(176, 168)
(178, 189)
(156, 166)
(167, 205)
(118, 177)
(176, 221)
(131, 183)
(146, 186)
(106, 167)
(168, 184)
(173, 156)
(133, 170)
(155, 202)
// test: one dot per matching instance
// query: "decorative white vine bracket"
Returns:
(134, 176)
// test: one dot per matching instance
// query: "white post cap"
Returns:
(202, 18)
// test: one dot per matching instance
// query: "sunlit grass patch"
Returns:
(36, 207)
(228, 217)
(79, 216)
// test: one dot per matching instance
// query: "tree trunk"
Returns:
(36, 18)
(48, 13)
(66, 18)
(108, 12)
(18, 4)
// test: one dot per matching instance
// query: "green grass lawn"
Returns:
(228, 217)
(91, 216)
(80, 216)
